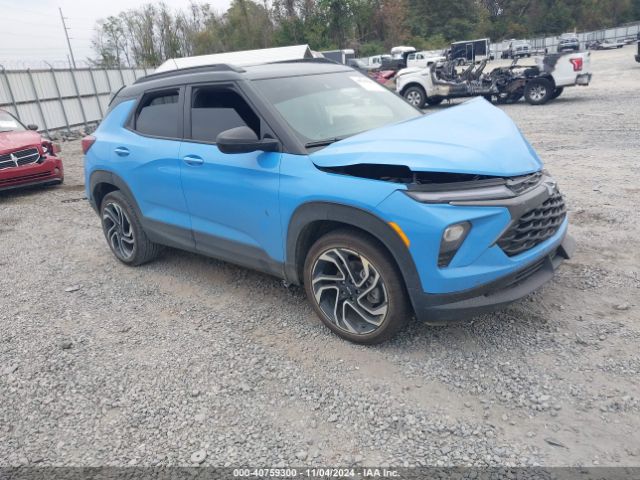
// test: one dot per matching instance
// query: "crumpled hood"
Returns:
(11, 141)
(474, 137)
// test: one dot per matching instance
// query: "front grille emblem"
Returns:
(14, 159)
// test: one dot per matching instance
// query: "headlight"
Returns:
(452, 239)
(497, 192)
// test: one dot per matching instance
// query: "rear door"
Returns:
(232, 199)
(146, 155)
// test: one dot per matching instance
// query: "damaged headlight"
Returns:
(497, 192)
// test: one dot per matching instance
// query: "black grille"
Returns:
(519, 185)
(20, 158)
(534, 227)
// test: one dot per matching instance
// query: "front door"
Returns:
(232, 199)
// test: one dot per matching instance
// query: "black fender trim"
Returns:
(308, 213)
(104, 176)
(157, 232)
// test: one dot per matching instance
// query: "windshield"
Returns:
(325, 108)
(8, 123)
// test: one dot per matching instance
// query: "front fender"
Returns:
(305, 215)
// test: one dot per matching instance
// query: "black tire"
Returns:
(415, 95)
(137, 249)
(434, 101)
(328, 294)
(557, 92)
(538, 91)
(510, 98)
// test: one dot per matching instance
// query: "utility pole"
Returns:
(66, 34)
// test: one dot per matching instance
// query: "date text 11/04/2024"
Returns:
(316, 473)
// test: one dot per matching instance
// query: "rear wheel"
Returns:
(507, 98)
(124, 233)
(355, 287)
(557, 92)
(538, 91)
(415, 96)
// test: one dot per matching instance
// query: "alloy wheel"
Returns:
(538, 93)
(118, 230)
(350, 291)
(414, 98)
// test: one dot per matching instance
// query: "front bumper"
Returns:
(49, 171)
(442, 308)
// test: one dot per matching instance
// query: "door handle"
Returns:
(193, 160)
(122, 151)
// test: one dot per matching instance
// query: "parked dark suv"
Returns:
(568, 42)
(314, 173)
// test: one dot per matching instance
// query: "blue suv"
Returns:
(316, 174)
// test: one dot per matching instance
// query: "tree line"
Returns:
(148, 35)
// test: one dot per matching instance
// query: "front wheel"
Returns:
(415, 96)
(538, 91)
(355, 287)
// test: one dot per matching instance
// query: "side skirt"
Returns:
(214, 247)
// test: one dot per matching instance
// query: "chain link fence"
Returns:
(550, 44)
(62, 101)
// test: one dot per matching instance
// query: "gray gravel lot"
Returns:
(188, 355)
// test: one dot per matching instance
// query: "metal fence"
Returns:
(61, 99)
(550, 44)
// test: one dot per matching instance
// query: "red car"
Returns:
(25, 157)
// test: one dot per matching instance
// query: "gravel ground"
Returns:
(189, 360)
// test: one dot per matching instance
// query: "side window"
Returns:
(159, 114)
(216, 109)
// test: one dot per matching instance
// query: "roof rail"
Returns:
(222, 67)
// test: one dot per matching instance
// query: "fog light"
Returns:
(454, 233)
(452, 239)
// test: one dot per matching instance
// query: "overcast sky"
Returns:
(31, 31)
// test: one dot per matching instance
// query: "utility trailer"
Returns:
(340, 56)
(470, 51)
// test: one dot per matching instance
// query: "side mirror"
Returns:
(244, 140)
(33, 127)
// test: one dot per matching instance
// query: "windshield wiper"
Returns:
(323, 143)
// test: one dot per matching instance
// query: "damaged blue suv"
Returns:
(314, 173)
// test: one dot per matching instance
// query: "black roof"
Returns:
(293, 69)
(223, 72)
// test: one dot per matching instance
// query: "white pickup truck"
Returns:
(538, 83)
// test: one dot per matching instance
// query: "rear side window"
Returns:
(216, 109)
(159, 114)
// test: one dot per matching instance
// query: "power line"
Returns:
(43, 25)
(26, 10)
(46, 36)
